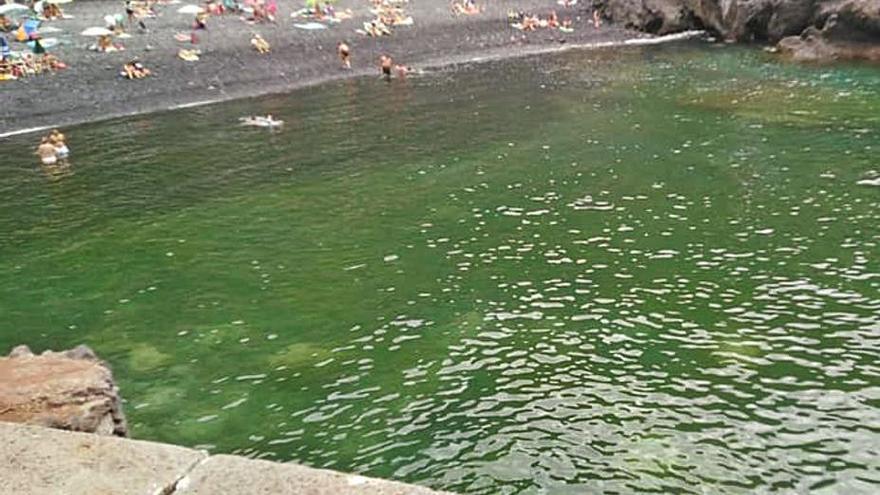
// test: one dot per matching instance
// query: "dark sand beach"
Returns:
(230, 68)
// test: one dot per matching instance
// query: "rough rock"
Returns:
(811, 29)
(814, 46)
(70, 390)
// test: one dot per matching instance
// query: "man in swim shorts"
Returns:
(385, 64)
(344, 53)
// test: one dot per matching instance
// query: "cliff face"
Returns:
(804, 29)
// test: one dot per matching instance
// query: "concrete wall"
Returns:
(42, 461)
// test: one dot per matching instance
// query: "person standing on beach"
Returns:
(134, 15)
(386, 63)
(344, 53)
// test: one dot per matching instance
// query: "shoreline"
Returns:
(89, 89)
(471, 58)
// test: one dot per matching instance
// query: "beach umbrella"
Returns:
(113, 20)
(13, 7)
(190, 9)
(96, 31)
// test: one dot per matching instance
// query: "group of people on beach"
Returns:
(53, 148)
(389, 13)
(134, 70)
(527, 21)
(17, 65)
(29, 65)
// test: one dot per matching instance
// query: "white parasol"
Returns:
(190, 9)
(96, 31)
(13, 7)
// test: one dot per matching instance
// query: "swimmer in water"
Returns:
(58, 141)
(46, 152)
(386, 63)
(402, 71)
(344, 53)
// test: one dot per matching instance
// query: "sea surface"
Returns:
(646, 270)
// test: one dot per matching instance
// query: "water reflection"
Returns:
(58, 170)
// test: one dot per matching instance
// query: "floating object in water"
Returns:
(261, 121)
(870, 182)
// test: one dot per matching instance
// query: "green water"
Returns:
(643, 271)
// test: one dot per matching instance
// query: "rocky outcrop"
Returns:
(806, 29)
(70, 390)
(841, 30)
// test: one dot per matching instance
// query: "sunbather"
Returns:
(261, 45)
(134, 70)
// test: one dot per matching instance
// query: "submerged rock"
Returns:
(69, 390)
(812, 30)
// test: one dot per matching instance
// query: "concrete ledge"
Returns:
(42, 461)
(229, 474)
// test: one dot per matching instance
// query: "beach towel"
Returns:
(310, 26)
(189, 55)
(30, 27)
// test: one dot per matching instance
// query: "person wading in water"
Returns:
(344, 53)
(386, 63)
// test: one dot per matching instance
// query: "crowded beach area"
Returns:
(71, 61)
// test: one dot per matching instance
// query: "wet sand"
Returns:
(229, 67)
